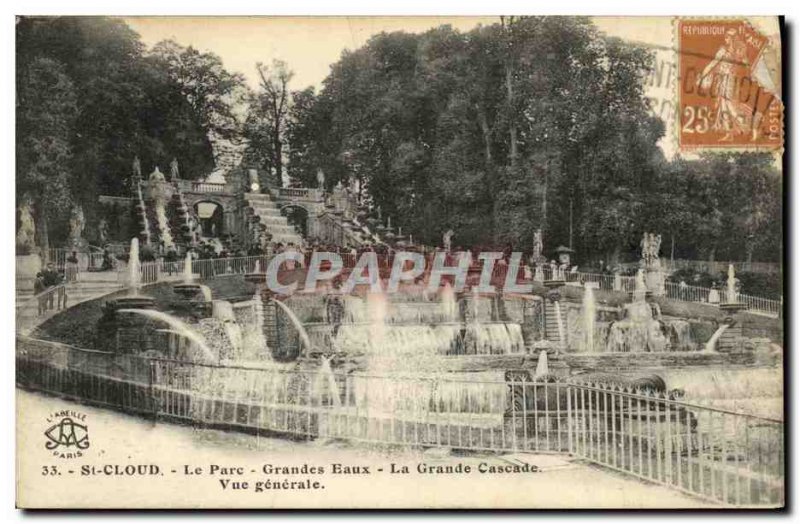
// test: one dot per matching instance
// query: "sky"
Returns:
(311, 44)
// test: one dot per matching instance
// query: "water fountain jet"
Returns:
(134, 299)
(189, 289)
(541, 365)
(301, 330)
(589, 318)
(711, 345)
(180, 327)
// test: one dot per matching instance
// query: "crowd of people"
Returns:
(224, 250)
(46, 279)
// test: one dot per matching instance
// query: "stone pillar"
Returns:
(229, 222)
(270, 328)
(532, 321)
(312, 225)
(654, 279)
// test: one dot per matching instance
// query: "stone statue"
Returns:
(320, 179)
(732, 284)
(354, 188)
(137, 168)
(102, 231)
(156, 176)
(77, 223)
(538, 246)
(650, 247)
(252, 181)
(655, 245)
(27, 228)
(650, 263)
(174, 172)
(447, 240)
(644, 247)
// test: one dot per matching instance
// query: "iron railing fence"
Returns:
(720, 266)
(87, 259)
(723, 456)
(52, 299)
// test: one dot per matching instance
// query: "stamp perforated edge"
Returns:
(676, 94)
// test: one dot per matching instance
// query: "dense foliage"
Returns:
(529, 123)
(89, 99)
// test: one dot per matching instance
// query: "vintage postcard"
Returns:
(399, 262)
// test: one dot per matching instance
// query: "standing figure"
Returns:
(102, 231)
(538, 246)
(644, 247)
(27, 227)
(174, 172)
(722, 76)
(447, 240)
(655, 249)
(77, 222)
(137, 168)
(320, 179)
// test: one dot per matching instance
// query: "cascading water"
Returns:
(143, 214)
(324, 389)
(395, 384)
(609, 334)
(301, 330)
(222, 312)
(188, 276)
(163, 225)
(448, 303)
(639, 331)
(560, 322)
(134, 268)
(179, 327)
(257, 339)
(414, 328)
(711, 345)
(541, 365)
(188, 234)
(640, 287)
(589, 318)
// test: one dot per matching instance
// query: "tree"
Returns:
(209, 88)
(268, 116)
(304, 124)
(46, 110)
(120, 104)
(494, 130)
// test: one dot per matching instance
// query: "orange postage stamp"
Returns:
(729, 88)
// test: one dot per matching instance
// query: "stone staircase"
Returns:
(89, 286)
(271, 217)
(551, 321)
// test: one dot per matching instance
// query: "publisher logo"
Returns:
(68, 434)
